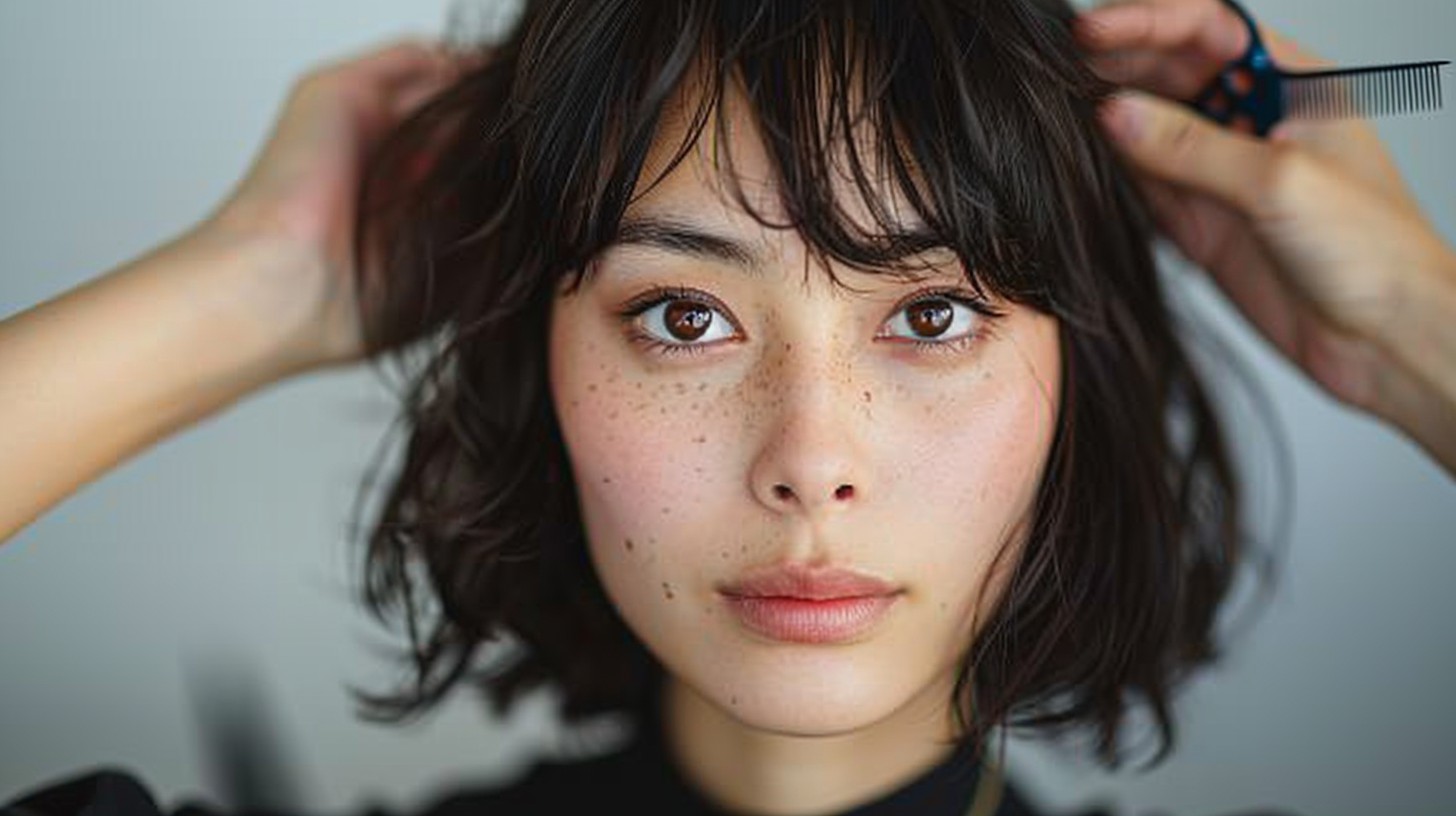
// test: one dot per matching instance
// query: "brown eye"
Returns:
(687, 320)
(933, 320)
(683, 322)
(929, 318)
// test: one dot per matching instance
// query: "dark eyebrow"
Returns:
(685, 238)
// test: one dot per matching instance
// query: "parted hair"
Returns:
(981, 113)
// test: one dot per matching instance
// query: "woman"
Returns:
(698, 382)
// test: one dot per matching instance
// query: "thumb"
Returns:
(1174, 143)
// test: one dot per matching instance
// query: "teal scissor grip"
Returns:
(1261, 98)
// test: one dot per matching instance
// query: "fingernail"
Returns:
(1124, 115)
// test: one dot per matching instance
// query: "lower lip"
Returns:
(797, 620)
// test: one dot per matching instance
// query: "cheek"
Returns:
(976, 456)
(984, 461)
(642, 451)
(639, 449)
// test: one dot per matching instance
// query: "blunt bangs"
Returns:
(933, 103)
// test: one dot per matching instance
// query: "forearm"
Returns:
(107, 369)
(1421, 396)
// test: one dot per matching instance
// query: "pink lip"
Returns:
(804, 605)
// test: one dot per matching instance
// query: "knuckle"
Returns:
(1149, 24)
(1183, 140)
(317, 77)
(310, 86)
(1287, 168)
(408, 47)
(414, 43)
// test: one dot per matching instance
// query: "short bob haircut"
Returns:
(507, 183)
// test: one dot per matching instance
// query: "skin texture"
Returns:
(693, 467)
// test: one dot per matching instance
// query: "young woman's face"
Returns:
(727, 409)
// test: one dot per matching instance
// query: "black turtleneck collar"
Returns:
(943, 790)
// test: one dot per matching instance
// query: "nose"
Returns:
(811, 457)
(786, 499)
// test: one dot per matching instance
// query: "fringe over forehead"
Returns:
(955, 108)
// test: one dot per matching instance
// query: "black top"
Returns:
(640, 777)
(644, 778)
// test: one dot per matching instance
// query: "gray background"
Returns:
(222, 552)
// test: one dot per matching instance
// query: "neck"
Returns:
(751, 770)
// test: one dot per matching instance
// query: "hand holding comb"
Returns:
(1253, 87)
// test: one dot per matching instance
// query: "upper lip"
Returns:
(807, 583)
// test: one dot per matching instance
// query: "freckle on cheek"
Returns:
(630, 545)
(667, 590)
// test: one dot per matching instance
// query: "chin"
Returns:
(807, 691)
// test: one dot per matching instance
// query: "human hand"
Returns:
(299, 195)
(1312, 233)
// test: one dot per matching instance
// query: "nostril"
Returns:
(844, 492)
(782, 492)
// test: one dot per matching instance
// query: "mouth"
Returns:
(800, 604)
(801, 620)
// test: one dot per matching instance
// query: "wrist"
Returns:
(1422, 338)
(1418, 389)
(260, 291)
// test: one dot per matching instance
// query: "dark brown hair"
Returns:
(982, 113)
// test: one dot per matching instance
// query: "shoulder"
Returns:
(103, 791)
(548, 787)
(111, 791)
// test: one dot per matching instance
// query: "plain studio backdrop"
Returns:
(212, 573)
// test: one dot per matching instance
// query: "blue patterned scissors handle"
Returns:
(1257, 90)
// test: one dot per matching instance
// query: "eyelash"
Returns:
(636, 307)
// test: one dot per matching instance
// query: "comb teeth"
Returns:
(1374, 91)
